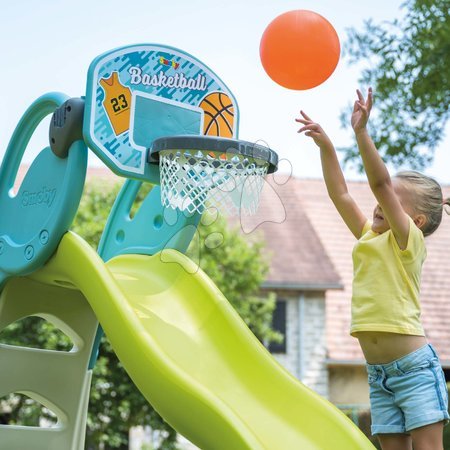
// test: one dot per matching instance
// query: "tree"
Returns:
(406, 62)
(233, 263)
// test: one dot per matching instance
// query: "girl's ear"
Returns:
(420, 220)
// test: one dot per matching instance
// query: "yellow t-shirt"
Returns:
(386, 282)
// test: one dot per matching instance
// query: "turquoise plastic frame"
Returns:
(34, 220)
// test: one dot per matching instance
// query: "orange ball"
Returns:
(299, 49)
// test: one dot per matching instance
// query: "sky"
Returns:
(49, 45)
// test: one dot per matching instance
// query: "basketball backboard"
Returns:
(139, 93)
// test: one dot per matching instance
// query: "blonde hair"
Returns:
(428, 198)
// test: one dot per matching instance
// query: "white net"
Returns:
(196, 180)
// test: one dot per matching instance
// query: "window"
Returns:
(279, 324)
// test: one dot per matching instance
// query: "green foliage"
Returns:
(232, 262)
(23, 410)
(36, 332)
(95, 206)
(406, 62)
(32, 332)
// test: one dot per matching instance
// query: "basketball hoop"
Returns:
(201, 171)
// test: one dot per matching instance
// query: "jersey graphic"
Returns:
(117, 103)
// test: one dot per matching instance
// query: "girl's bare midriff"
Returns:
(382, 348)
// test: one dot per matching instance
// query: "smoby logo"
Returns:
(45, 196)
(168, 62)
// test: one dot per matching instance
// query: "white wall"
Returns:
(306, 339)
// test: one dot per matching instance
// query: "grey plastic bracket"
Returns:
(66, 126)
(215, 143)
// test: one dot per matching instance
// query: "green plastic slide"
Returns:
(193, 358)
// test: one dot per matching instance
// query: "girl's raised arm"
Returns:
(379, 179)
(334, 178)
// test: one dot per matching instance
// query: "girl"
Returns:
(408, 394)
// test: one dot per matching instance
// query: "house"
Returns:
(311, 273)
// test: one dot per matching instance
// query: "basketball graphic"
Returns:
(219, 115)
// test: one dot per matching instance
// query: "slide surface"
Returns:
(193, 358)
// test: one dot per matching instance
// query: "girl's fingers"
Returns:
(310, 127)
(312, 134)
(305, 115)
(370, 99)
(360, 96)
(362, 107)
(302, 121)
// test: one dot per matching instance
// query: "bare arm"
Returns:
(334, 178)
(379, 179)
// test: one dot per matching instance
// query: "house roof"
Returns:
(298, 259)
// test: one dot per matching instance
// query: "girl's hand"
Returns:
(361, 111)
(313, 130)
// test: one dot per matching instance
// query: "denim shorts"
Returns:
(408, 393)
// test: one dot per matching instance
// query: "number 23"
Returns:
(115, 103)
